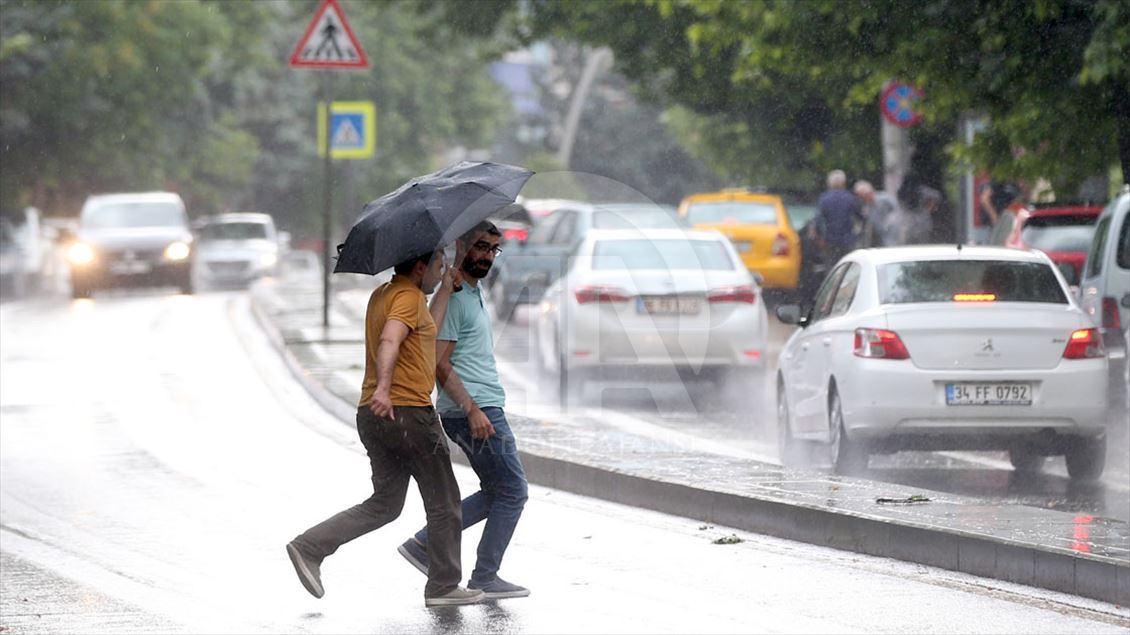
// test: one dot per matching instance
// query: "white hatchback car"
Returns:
(943, 347)
(236, 248)
(653, 299)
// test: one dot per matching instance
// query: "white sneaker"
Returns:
(456, 597)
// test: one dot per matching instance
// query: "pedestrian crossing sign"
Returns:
(329, 41)
(352, 129)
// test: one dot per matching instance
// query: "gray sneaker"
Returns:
(499, 589)
(415, 554)
(309, 572)
(456, 597)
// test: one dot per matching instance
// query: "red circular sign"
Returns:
(899, 104)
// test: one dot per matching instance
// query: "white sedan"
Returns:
(937, 348)
(636, 302)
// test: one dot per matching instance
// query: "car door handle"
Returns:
(804, 347)
(827, 341)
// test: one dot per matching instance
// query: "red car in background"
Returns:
(1063, 232)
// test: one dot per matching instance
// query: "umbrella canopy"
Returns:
(427, 213)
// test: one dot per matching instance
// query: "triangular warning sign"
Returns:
(329, 41)
(346, 135)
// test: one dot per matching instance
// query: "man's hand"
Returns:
(381, 405)
(481, 427)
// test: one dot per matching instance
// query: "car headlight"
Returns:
(268, 260)
(80, 254)
(177, 251)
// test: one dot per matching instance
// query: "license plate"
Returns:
(669, 306)
(989, 394)
(129, 267)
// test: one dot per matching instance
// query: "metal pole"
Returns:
(327, 213)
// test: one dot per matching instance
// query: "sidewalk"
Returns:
(581, 453)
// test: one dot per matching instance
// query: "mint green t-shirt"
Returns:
(467, 323)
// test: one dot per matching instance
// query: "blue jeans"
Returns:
(502, 494)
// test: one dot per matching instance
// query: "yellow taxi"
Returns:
(757, 225)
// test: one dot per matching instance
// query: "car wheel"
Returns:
(788, 448)
(1025, 460)
(1086, 458)
(186, 285)
(80, 290)
(848, 456)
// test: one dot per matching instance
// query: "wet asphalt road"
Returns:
(155, 456)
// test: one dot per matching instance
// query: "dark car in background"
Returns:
(526, 269)
(131, 240)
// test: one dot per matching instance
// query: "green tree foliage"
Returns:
(789, 87)
(197, 97)
(111, 95)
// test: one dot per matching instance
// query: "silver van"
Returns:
(1105, 288)
(1104, 292)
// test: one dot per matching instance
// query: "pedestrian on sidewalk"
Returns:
(471, 408)
(401, 434)
(877, 209)
(838, 212)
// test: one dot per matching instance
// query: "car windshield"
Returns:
(635, 218)
(119, 215)
(665, 254)
(951, 280)
(1059, 233)
(732, 213)
(800, 215)
(233, 231)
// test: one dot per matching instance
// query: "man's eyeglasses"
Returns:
(483, 245)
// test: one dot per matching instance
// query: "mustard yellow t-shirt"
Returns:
(414, 376)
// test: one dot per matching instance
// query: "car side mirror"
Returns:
(758, 278)
(791, 314)
(1125, 301)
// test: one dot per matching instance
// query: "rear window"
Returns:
(669, 255)
(642, 218)
(1123, 253)
(1098, 248)
(732, 213)
(233, 231)
(1059, 233)
(119, 215)
(941, 280)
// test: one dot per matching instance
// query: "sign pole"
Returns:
(327, 213)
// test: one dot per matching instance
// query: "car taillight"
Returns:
(598, 293)
(879, 344)
(518, 234)
(1084, 344)
(1111, 318)
(781, 245)
(744, 293)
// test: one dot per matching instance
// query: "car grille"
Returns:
(132, 255)
(228, 267)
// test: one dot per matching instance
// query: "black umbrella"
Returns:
(426, 213)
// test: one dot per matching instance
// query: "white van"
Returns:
(1105, 287)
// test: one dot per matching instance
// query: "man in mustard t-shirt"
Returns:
(401, 434)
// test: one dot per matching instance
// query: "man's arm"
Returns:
(481, 427)
(987, 205)
(452, 280)
(388, 349)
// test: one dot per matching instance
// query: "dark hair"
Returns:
(405, 268)
(484, 226)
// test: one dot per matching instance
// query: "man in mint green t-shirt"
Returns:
(471, 406)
